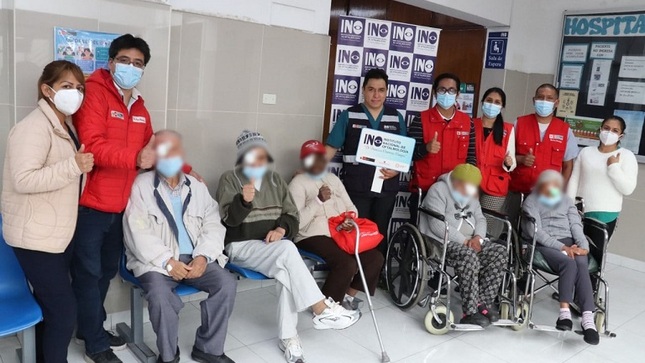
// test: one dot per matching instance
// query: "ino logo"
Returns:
(420, 93)
(423, 65)
(375, 59)
(377, 30)
(345, 86)
(402, 33)
(351, 26)
(427, 36)
(373, 140)
(400, 62)
(335, 113)
(398, 91)
(402, 201)
(348, 56)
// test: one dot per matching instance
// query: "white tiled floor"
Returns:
(252, 333)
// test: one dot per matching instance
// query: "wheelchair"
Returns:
(533, 267)
(412, 258)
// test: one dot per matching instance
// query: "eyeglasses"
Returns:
(444, 90)
(126, 60)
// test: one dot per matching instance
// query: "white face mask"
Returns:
(608, 137)
(67, 101)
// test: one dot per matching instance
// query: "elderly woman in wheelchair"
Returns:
(478, 262)
(561, 247)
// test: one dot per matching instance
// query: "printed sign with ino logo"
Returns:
(427, 41)
(402, 37)
(399, 66)
(395, 224)
(397, 94)
(377, 34)
(348, 60)
(374, 58)
(351, 31)
(385, 150)
(404, 181)
(422, 69)
(411, 115)
(335, 111)
(419, 96)
(345, 90)
(402, 206)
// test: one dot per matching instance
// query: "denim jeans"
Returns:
(98, 244)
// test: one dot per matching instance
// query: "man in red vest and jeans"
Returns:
(542, 141)
(445, 138)
(115, 126)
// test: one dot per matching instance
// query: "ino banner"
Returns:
(406, 52)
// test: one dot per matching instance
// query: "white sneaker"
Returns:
(292, 350)
(335, 317)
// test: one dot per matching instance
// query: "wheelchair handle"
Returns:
(432, 214)
(495, 214)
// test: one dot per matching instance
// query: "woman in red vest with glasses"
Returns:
(495, 146)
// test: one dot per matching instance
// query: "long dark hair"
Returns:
(498, 126)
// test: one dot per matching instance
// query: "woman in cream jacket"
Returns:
(319, 196)
(41, 184)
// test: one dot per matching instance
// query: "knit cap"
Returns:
(250, 140)
(467, 173)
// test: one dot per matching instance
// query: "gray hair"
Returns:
(168, 132)
(548, 176)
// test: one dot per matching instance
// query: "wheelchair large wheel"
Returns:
(433, 326)
(522, 312)
(405, 269)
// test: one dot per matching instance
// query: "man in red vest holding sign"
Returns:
(445, 138)
(542, 141)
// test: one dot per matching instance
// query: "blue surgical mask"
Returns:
(127, 76)
(169, 167)
(549, 201)
(461, 199)
(317, 177)
(446, 100)
(254, 172)
(491, 110)
(544, 108)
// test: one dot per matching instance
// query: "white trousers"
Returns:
(297, 289)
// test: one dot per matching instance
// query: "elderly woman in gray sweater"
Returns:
(562, 242)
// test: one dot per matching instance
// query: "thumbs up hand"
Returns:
(529, 159)
(248, 191)
(147, 155)
(85, 161)
(434, 145)
(613, 159)
(508, 160)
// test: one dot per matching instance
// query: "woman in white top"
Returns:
(603, 175)
(320, 195)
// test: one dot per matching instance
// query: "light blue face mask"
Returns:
(551, 200)
(127, 76)
(491, 110)
(461, 199)
(169, 167)
(254, 172)
(318, 177)
(446, 100)
(544, 108)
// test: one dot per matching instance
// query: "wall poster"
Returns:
(87, 49)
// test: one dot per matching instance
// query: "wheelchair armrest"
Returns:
(526, 215)
(592, 222)
(432, 214)
(495, 214)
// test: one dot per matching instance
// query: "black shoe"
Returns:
(202, 357)
(564, 324)
(591, 336)
(475, 319)
(102, 357)
(174, 360)
(489, 313)
(116, 342)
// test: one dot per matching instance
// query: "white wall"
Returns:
(307, 15)
(489, 13)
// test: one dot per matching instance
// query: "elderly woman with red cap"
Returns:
(318, 196)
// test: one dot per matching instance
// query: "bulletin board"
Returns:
(601, 72)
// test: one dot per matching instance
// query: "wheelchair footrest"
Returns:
(466, 327)
(546, 328)
(504, 322)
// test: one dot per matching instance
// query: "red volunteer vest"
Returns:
(549, 152)
(490, 160)
(453, 136)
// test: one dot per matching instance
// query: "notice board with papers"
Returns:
(601, 72)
